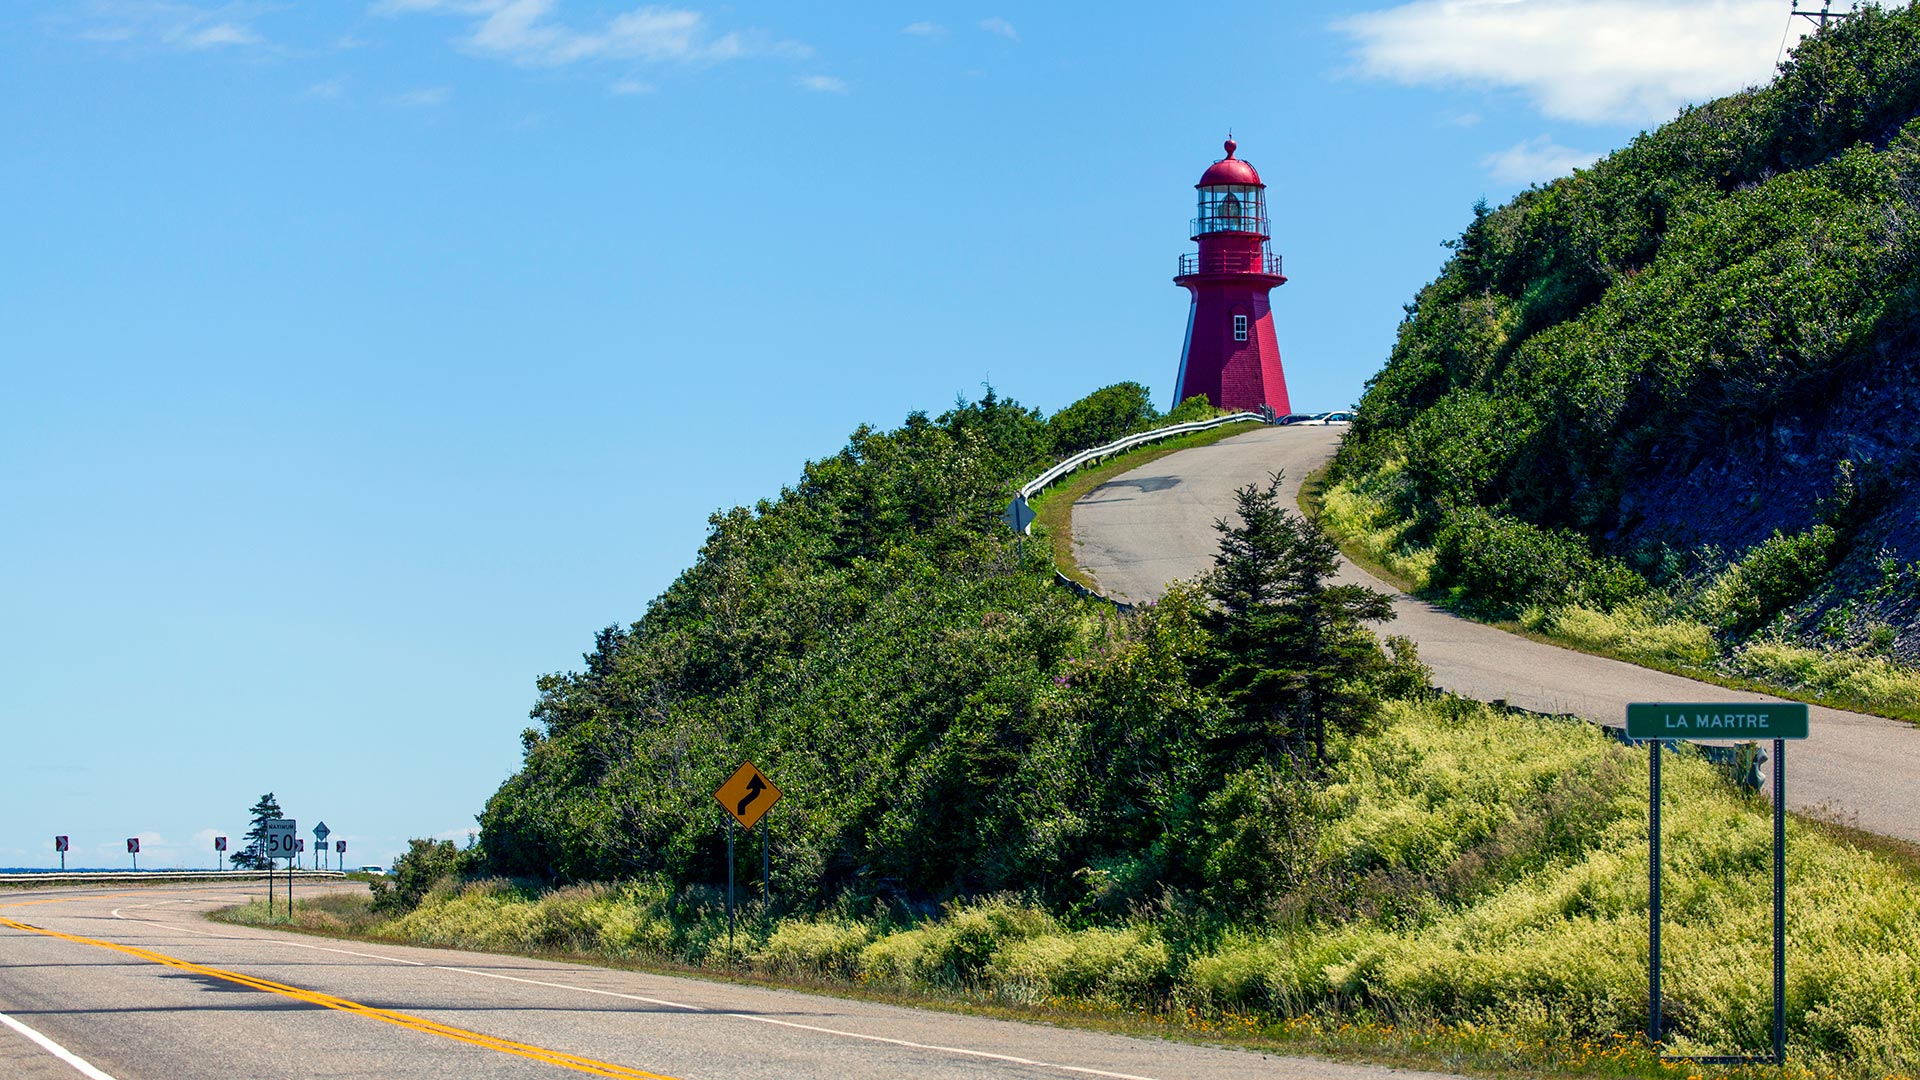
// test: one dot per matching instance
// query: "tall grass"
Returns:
(1480, 874)
(1875, 682)
(1372, 532)
(1635, 632)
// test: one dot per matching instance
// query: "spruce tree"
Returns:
(1291, 653)
(253, 856)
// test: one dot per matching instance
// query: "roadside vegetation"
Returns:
(1667, 408)
(1234, 815)
(1462, 888)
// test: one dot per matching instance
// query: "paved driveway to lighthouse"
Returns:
(1154, 525)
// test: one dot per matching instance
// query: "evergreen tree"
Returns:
(1290, 653)
(253, 856)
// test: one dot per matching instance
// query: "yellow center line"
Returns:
(398, 1019)
(88, 896)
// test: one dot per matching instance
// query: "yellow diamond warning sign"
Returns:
(747, 795)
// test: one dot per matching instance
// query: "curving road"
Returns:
(134, 983)
(1154, 525)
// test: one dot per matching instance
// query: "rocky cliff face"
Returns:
(1850, 447)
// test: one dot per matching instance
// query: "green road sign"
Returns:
(1718, 720)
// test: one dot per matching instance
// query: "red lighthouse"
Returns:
(1231, 355)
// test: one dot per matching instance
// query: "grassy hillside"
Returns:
(1680, 387)
(1465, 889)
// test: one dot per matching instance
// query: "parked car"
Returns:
(1341, 417)
(381, 870)
(1293, 418)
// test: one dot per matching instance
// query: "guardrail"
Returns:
(131, 877)
(1046, 479)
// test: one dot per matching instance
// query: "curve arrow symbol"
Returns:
(754, 787)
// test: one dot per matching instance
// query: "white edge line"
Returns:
(810, 1027)
(81, 1064)
(904, 1043)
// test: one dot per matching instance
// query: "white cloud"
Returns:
(161, 22)
(326, 89)
(924, 29)
(824, 83)
(220, 34)
(1000, 26)
(1597, 61)
(527, 32)
(1534, 160)
(425, 97)
(628, 87)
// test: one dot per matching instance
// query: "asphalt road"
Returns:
(1154, 525)
(134, 983)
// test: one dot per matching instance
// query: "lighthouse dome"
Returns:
(1230, 170)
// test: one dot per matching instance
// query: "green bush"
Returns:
(1502, 564)
(1770, 578)
(425, 864)
(1101, 417)
(1194, 408)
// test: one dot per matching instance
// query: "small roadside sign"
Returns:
(219, 843)
(1721, 720)
(300, 845)
(59, 843)
(320, 832)
(340, 846)
(278, 838)
(1018, 515)
(133, 845)
(747, 795)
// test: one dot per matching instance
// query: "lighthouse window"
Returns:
(1239, 328)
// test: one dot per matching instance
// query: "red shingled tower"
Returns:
(1231, 355)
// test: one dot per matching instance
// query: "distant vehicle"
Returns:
(381, 870)
(1293, 418)
(1331, 418)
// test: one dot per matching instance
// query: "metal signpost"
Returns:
(320, 832)
(340, 854)
(279, 842)
(1724, 720)
(133, 849)
(219, 849)
(747, 796)
(60, 845)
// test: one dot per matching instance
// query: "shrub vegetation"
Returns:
(1675, 382)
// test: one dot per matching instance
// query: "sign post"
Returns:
(340, 854)
(219, 849)
(133, 849)
(279, 842)
(746, 796)
(320, 832)
(60, 845)
(1726, 720)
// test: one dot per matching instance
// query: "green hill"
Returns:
(943, 719)
(1680, 388)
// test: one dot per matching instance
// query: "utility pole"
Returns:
(1825, 13)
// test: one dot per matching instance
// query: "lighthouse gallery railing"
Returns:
(1235, 262)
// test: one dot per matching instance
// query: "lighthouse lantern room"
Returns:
(1231, 355)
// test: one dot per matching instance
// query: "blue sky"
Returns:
(360, 360)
